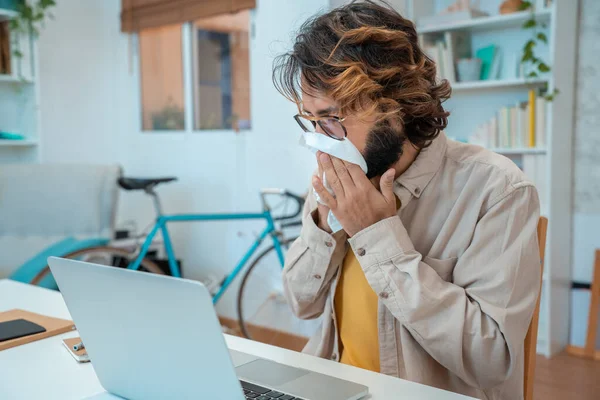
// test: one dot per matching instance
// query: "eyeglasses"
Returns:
(331, 126)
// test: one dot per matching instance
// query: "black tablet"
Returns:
(18, 328)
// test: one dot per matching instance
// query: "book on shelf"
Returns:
(540, 121)
(446, 51)
(493, 132)
(532, 117)
(514, 127)
(496, 65)
(439, 54)
(486, 55)
(448, 59)
(432, 52)
(459, 44)
(522, 133)
(520, 126)
(506, 127)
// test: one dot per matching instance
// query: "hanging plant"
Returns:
(29, 20)
(535, 65)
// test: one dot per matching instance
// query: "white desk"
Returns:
(44, 369)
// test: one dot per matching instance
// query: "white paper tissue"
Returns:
(342, 149)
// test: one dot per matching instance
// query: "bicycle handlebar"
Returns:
(280, 192)
(283, 192)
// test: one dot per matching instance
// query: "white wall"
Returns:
(90, 112)
(587, 144)
(586, 221)
(83, 59)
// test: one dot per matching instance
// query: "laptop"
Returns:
(157, 337)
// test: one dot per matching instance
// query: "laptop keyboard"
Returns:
(255, 392)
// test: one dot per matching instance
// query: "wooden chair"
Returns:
(531, 338)
(589, 350)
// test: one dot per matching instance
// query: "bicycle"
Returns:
(249, 302)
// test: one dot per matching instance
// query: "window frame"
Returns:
(188, 51)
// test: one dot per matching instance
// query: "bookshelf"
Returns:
(19, 101)
(476, 102)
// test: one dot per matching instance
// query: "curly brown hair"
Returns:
(366, 57)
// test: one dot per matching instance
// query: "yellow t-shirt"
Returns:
(355, 305)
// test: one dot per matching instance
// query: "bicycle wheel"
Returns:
(104, 255)
(263, 312)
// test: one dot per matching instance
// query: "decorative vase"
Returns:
(510, 6)
(469, 69)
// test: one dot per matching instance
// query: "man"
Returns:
(435, 275)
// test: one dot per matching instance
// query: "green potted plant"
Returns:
(534, 65)
(29, 19)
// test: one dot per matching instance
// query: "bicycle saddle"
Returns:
(142, 183)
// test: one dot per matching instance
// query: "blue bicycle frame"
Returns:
(161, 224)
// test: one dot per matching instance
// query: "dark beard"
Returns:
(383, 149)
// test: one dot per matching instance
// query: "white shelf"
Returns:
(523, 150)
(4, 78)
(513, 20)
(7, 14)
(18, 143)
(498, 84)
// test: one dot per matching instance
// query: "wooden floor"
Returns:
(566, 377)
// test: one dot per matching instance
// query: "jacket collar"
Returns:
(416, 178)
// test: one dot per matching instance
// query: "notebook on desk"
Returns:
(52, 326)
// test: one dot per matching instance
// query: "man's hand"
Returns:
(357, 203)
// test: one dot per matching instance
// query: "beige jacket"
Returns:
(457, 273)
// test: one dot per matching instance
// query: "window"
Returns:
(161, 70)
(221, 72)
(219, 67)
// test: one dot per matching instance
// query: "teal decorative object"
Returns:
(11, 4)
(486, 55)
(11, 136)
